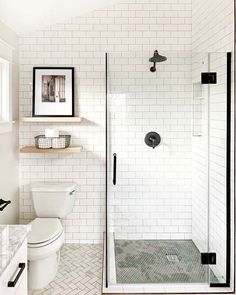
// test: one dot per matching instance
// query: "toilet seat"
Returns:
(45, 238)
(44, 232)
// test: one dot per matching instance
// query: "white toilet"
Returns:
(51, 202)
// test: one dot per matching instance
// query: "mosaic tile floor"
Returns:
(163, 261)
(80, 272)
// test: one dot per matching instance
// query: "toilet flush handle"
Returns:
(71, 193)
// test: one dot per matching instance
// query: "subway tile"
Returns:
(149, 181)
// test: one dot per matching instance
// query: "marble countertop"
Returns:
(11, 238)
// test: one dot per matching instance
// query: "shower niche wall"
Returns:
(168, 207)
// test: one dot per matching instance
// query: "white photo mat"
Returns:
(53, 107)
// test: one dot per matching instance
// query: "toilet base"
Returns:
(42, 271)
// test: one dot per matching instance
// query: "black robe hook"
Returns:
(3, 204)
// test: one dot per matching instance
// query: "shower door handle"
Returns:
(114, 168)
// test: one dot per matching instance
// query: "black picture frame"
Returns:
(34, 114)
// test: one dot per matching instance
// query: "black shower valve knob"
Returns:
(152, 139)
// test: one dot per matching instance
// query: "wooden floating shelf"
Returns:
(34, 150)
(52, 119)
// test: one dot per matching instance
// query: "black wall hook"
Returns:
(3, 204)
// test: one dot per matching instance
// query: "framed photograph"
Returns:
(53, 92)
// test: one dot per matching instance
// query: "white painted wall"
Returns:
(9, 182)
(26, 16)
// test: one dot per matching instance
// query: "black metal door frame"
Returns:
(106, 170)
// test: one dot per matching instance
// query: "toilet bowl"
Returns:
(44, 243)
(47, 234)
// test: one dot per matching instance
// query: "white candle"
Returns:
(51, 132)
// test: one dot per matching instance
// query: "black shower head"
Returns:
(156, 58)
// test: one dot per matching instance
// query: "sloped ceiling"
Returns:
(24, 16)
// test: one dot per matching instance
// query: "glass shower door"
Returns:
(220, 169)
(212, 148)
(150, 189)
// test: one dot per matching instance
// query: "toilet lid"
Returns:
(44, 229)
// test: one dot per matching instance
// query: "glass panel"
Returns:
(218, 167)
(200, 154)
(154, 237)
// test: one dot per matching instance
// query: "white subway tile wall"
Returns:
(135, 26)
(159, 194)
(153, 194)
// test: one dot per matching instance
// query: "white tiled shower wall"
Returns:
(136, 26)
(153, 194)
(212, 31)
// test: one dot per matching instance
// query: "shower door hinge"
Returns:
(209, 78)
(208, 258)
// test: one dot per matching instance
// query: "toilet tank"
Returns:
(53, 199)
